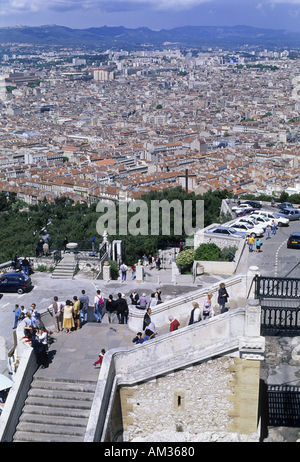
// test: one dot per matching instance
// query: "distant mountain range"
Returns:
(122, 37)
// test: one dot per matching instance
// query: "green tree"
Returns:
(208, 252)
(284, 197)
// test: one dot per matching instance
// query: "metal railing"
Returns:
(280, 315)
(272, 287)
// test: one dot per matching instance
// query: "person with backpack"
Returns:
(98, 306)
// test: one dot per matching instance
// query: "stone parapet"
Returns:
(165, 354)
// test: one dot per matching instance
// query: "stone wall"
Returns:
(188, 405)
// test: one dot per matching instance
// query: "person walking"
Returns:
(68, 321)
(258, 244)
(134, 297)
(98, 306)
(222, 298)
(195, 314)
(121, 307)
(56, 308)
(208, 311)
(111, 309)
(25, 264)
(268, 232)
(76, 310)
(40, 349)
(250, 242)
(143, 301)
(147, 318)
(84, 304)
(17, 311)
(132, 272)
(174, 323)
(273, 226)
(100, 358)
(46, 249)
(65, 242)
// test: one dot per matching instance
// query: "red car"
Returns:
(245, 212)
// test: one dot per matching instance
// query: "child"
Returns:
(138, 338)
(100, 358)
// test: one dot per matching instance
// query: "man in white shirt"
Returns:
(56, 313)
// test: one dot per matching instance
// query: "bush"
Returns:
(185, 260)
(225, 252)
(208, 252)
(114, 270)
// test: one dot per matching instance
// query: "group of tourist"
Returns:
(72, 314)
(271, 228)
(197, 314)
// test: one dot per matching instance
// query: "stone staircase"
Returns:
(66, 268)
(55, 411)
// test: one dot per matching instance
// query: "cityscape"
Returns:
(197, 339)
(115, 125)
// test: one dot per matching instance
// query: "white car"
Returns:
(248, 228)
(241, 208)
(271, 216)
(262, 224)
(262, 221)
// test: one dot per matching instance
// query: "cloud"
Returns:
(38, 6)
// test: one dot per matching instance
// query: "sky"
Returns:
(154, 14)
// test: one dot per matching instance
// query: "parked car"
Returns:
(272, 216)
(239, 208)
(226, 231)
(290, 214)
(285, 205)
(293, 241)
(247, 219)
(244, 212)
(254, 204)
(248, 228)
(15, 282)
(263, 221)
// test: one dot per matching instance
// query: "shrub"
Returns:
(185, 260)
(208, 252)
(114, 270)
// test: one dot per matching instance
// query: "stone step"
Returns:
(23, 436)
(60, 394)
(45, 419)
(64, 403)
(64, 430)
(63, 385)
(58, 411)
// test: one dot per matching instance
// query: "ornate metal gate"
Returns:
(280, 304)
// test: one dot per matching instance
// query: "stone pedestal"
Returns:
(139, 274)
(106, 273)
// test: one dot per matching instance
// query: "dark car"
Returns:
(15, 282)
(293, 241)
(285, 205)
(254, 204)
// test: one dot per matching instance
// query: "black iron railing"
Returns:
(283, 406)
(271, 287)
(280, 315)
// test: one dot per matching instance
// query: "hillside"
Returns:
(121, 37)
